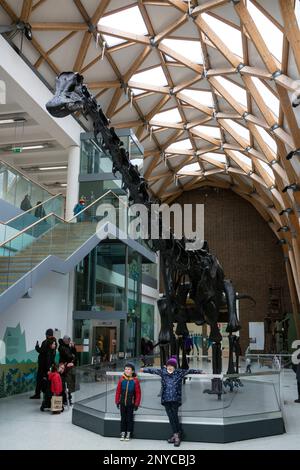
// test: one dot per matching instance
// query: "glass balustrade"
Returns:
(97, 384)
(15, 186)
(52, 235)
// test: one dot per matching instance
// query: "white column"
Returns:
(72, 181)
(71, 304)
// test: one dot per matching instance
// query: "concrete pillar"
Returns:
(71, 302)
(72, 180)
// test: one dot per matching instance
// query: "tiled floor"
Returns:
(24, 426)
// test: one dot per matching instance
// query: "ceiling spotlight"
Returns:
(286, 211)
(282, 241)
(293, 186)
(284, 228)
(293, 153)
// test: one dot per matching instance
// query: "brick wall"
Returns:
(246, 248)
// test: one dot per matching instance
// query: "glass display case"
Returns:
(236, 416)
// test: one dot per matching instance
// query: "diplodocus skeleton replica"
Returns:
(188, 274)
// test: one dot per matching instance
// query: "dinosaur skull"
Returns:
(69, 96)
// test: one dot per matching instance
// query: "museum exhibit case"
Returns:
(238, 415)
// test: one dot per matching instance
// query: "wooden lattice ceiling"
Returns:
(225, 110)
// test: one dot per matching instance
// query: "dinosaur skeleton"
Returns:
(188, 274)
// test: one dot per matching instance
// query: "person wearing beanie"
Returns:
(78, 209)
(128, 399)
(45, 360)
(68, 356)
(171, 396)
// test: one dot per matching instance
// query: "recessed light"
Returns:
(11, 121)
(49, 168)
(21, 148)
(64, 185)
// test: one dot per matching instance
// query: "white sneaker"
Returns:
(122, 437)
(127, 438)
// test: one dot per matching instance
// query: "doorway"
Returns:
(105, 342)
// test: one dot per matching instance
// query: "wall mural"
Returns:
(17, 365)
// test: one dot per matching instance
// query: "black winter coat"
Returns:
(46, 355)
(67, 353)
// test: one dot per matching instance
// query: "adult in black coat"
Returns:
(46, 358)
(68, 356)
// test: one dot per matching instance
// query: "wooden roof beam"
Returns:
(291, 29)
(26, 10)
(270, 62)
(209, 5)
(59, 26)
(123, 35)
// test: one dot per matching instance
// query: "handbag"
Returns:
(56, 404)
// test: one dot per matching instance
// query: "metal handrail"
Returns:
(26, 177)
(30, 210)
(28, 228)
(268, 355)
(207, 375)
(97, 200)
(58, 217)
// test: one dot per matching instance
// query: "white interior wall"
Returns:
(48, 308)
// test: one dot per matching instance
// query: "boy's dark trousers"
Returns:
(298, 385)
(172, 412)
(127, 418)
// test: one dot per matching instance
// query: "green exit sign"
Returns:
(17, 150)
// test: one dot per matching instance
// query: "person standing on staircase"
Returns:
(78, 210)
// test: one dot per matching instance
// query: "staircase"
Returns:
(52, 244)
(61, 241)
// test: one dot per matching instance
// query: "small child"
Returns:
(128, 398)
(171, 382)
(56, 387)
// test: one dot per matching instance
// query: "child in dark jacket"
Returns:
(171, 383)
(128, 398)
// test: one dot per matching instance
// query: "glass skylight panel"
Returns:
(153, 76)
(243, 158)
(240, 130)
(219, 157)
(202, 97)
(237, 92)
(129, 21)
(180, 145)
(268, 97)
(231, 36)
(112, 41)
(192, 167)
(297, 12)
(267, 139)
(271, 35)
(136, 92)
(169, 59)
(189, 49)
(209, 131)
(172, 115)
